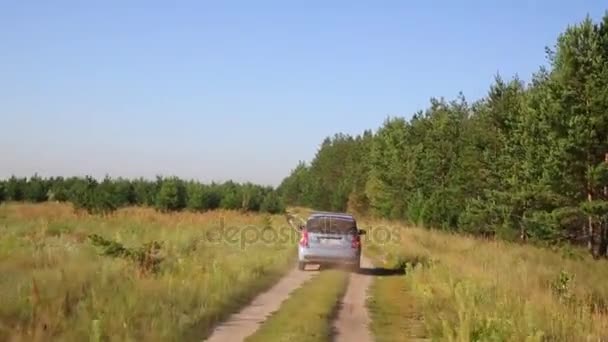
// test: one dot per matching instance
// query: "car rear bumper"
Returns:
(338, 256)
(324, 259)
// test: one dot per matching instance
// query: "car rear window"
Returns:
(331, 225)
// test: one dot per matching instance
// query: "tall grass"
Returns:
(474, 290)
(55, 285)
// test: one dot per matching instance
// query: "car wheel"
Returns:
(301, 265)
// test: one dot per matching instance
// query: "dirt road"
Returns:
(352, 322)
(246, 322)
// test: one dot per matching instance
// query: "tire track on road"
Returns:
(352, 322)
(245, 322)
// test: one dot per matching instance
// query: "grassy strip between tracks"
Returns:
(308, 313)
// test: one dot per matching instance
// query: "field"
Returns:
(463, 289)
(55, 284)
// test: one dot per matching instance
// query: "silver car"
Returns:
(330, 238)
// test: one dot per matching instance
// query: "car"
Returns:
(330, 238)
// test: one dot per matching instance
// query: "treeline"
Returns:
(165, 194)
(526, 162)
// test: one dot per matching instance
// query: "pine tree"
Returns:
(171, 196)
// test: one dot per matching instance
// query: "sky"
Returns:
(242, 90)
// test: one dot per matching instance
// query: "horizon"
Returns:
(243, 93)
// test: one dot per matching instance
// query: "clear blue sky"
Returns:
(241, 89)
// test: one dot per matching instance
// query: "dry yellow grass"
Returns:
(474, 290)
(55, 285)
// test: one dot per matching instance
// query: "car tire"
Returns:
(356, 267)
(301, 265)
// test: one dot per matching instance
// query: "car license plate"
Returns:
(331, 242)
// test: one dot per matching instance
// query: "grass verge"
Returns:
(393, 311)
(308, 313)
(467, 289)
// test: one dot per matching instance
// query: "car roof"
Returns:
(342, 216)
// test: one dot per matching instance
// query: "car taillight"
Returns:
(356, 243)
(304, 238)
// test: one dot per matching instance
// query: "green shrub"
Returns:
(81, 193)
(211, 197)
(252, 197)
(231, 199)
(15, 188)
(147, 257)
(272, 204)
(58, 189)
(172, 195)
(123, 191)
(144, 192)
(194, 194)
(94, 197)
(562, 287)
(35, 190)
